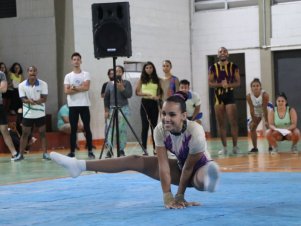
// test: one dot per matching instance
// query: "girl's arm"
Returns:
(187, 171)
(165, 179)
(293, 115)
(271, 120)
(265, 101)
(251, 106)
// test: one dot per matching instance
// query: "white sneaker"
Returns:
(235, 150)
(17, 157)
(274, 150)
(294, 149)
(212, 177)
(223, 151)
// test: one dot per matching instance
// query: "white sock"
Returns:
(212, 176)
(73, 166)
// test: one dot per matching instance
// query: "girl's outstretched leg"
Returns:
(147, 165)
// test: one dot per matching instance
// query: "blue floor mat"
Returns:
(134, 199)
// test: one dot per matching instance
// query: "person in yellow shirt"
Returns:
(16, 76)
(149, 88)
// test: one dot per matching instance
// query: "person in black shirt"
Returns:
(111, 77)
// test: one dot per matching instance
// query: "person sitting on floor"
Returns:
(63, 123)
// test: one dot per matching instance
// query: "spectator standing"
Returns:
(6, 96)
(16, 77)
(124, 92)
(33, 93)
(3, 120)
(149, 88)
(111, 78)
(224, 77)
(76, 86)
(169, 83)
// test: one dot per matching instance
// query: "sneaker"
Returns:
(46, 156)
(253, 150)
(109, 154)
(71, 155)
(122, 153)
(212, 177)
(294, 149)
(235, 150)
(224, 151)
(274, 150)
(14, 157)
(17, 157)
(91, 155)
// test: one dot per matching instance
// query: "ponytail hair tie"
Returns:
(182, 95)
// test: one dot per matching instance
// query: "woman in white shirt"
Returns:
(258, 101)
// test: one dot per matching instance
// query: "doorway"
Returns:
(287, 77)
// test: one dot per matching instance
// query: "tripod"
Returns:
(114, 121)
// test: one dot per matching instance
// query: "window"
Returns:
(283, 1)
(201, 5)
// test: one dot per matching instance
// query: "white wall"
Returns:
(236, 29)
(159, 30)
(30, 39)
(286, 28)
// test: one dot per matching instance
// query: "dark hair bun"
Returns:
(282, 94)
(182, 95)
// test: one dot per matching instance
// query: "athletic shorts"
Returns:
(200, 163)
(3, 116)
(30, 122)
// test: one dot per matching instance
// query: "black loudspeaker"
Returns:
(111, 29)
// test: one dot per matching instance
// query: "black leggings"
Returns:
(84, 113)
(149, 112)
(16, 101)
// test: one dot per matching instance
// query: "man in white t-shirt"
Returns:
(76, 86)
(193, 102)
(33, 93)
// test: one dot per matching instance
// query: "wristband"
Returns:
(180, 198)
(168, 197)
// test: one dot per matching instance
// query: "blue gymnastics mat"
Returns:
(134, 199)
